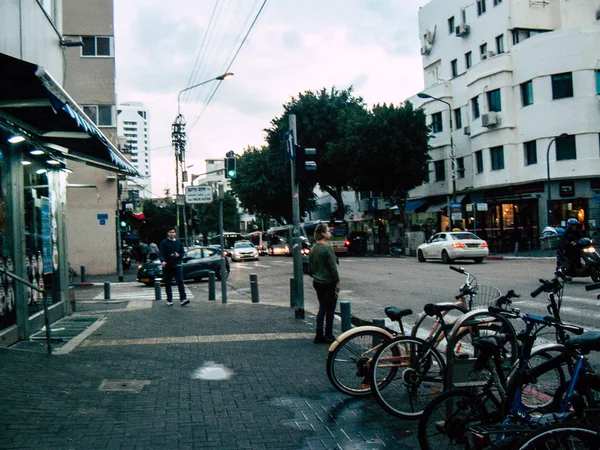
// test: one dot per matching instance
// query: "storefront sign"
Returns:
(46, 235)
(567, 189)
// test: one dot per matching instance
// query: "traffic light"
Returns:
(305, 162)
(230, 167)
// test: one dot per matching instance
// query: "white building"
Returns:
(511, 77)
(132, 128)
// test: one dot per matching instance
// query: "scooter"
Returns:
(589, 261)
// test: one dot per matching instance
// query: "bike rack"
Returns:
(456, 367)
(45, 303)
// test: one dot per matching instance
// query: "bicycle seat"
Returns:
(436, 309)
(585, 343)
(396, 314)
(490, 342)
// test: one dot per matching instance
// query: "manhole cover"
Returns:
(123, 385)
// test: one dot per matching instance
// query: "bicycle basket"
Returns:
(486, 296)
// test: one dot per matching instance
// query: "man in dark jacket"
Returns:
(171, 253)
(570, 238)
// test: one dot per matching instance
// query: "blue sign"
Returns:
(288, 140)
(102, 222)
(455, 207)
(102, 216)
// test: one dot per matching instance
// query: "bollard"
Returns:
(83, 274)
(346, 317)
(516, 249)
(254, 287)
(212, 290)
(107, 291)
(381, 324)
(292, 292)
(157, 290)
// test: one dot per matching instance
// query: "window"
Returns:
(497, 2)
(468, 60)
(454, 66)
(460, 167)
(436, 122)
(475, 107)
(101, 115)
(494, 101)
(480, 7)
(597, 82)
(565, 148)
(497, 156)
(479, 161)
(530, 149)
(96, 46)
(482, 50)
(440, 170)
(500, 44)
(562, 85)
(457, 118)
(527, 93)
(451, 25)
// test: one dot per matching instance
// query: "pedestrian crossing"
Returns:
(129, 291)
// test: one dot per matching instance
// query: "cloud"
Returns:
(295, 46)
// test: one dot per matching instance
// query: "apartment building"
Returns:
(512, 90)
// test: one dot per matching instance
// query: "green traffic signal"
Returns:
(123, 224)
(230, 167)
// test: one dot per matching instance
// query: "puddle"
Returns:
(212, 371)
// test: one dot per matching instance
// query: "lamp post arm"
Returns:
(219, 78)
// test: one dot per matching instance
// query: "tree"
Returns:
(262, 184)
(208, 216)
(390, 152)
(324, 120)
(158, 217)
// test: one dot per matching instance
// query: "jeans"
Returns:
(327, 297)
(170, 272)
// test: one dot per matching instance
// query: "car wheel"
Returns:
(478, 260)
(420, 256)
(445, 257)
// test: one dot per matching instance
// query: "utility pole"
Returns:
(223, 257)
(298, 296)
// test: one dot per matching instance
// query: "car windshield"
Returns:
(462, 236)
(243, 245)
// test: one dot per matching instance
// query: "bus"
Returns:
(339, 234)
(229, 238)
(279, 240)
(259, 240)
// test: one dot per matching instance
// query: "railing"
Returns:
(45, 303)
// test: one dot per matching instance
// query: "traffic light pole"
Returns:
(298, 294)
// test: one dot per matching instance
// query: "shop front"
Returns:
(41, 131)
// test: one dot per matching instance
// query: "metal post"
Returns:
(83, 274)
(212, 295)
(254, 287)
(119, 249)
(107, 291)
(346, 316)
(47, 323)
(298, 294)
(157, 292)
(292, 292)
(223, 258)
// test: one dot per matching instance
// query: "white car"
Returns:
(244, 250)
(451, 245)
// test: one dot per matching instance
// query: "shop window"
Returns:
(530, 149)
(497, 157)
(562, 85)
(565, 148)
(440, 170)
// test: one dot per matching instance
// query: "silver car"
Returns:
(243, 251)
(451, 245)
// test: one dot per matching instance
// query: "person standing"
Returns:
(326, 281)
(171, 253)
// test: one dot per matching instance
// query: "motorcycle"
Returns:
(589, 261)
(126, 259)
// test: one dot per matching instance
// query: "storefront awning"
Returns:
(34, 104)
(413, 205)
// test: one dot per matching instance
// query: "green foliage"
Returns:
(159, 216)
(207, 216)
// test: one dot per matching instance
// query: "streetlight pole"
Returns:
(178, 139)
(452, 153)
(549, 201)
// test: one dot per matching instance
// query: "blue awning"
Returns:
(34, 104)
(412, 205)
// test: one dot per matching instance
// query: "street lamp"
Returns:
(178, 139)
(549, 201)
(452, 154)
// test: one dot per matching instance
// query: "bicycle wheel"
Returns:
(349, 364)
(540, 392)
(446, 418)
(407, 373)
(586, 395)
(563, 436)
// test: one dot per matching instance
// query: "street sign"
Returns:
(456, 207)
(230, 154)
(198, 194)
(482, 206)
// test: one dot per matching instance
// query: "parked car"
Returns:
(243, 251)
(197, 263)
(451, 245)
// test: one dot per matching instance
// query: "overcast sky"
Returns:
(295, 46)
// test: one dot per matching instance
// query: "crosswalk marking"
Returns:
(141, 293)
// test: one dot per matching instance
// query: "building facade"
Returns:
(45, 137)
(511, 93)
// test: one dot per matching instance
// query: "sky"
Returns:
(163, 47)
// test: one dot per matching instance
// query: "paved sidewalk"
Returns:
(204, 376)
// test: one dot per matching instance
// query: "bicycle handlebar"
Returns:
(458, 269)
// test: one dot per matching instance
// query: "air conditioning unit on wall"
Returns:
(488, 54)
(426, 49)
(490, 119)
(467, 131)
(462, 29)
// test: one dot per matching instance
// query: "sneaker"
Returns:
(169, 302)
(183, 302)
(319, 339)
(329, 339)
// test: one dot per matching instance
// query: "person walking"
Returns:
(171, 253)
(326, 281)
